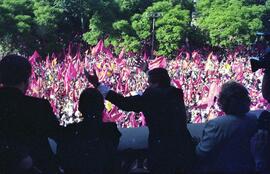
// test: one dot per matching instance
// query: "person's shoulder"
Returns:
(38, 104)
(220, 120)
(36, 100)
(110, 128)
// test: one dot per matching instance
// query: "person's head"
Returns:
(234, 98)
(15, 71)
(159, 77)
(91, 102)
(266, 85)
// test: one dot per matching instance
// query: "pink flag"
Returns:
(194, 54)
(106, 117)
(142, 118)
(145, 56)
(198, 119)
(209, 57)
(78, 53)
(213, 92)
(69, 48)
(177, 83)
(71, 71)
(108, 52)
(98, 48)
(121, 55)
(133, 120)
(159, 62)
(33, 58)
(48, 62)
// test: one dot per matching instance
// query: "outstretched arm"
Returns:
(132, 103)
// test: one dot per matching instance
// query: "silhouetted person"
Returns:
(261, 141)
(266, 85)
(170, 144)
(25, 122)
(225, 144)
(90, 145)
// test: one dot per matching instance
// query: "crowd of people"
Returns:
(236, 142)
(199, 73)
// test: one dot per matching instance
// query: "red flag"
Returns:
(159, 62)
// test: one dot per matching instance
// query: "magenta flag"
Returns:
(69, 48)
(71, 71)
(48, 62)
(213, 91)
(198, 119)
(159, 62)
(98, 48)
(34, 57)
(145, 56)
(121, 55)
(177, 83)
(194, 54)
(108, 52)
(133, 120)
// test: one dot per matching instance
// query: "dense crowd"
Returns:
(199, 73)
(236, 142)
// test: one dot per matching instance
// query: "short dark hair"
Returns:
(14, 69)
(159, 76)
(234, 98)
(91, 102)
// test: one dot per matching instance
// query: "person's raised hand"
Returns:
(142, 64)
(93, 79)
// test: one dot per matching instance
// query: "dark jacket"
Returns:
(165, 115)
(225, 145)
(89, 147)
(27, 122)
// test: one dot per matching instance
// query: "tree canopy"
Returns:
(49, 25)
(229, 23)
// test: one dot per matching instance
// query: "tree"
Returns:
(229, 23)
(171, 26)
(27, 25)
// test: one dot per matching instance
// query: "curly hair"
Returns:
(234, 98)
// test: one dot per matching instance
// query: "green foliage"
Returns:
(95, 32)
(28, 25)
(49, 25)
(229, 23)
(171, 26)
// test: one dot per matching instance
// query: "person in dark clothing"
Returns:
(25, 122)
(170, 143)
(89, 146)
